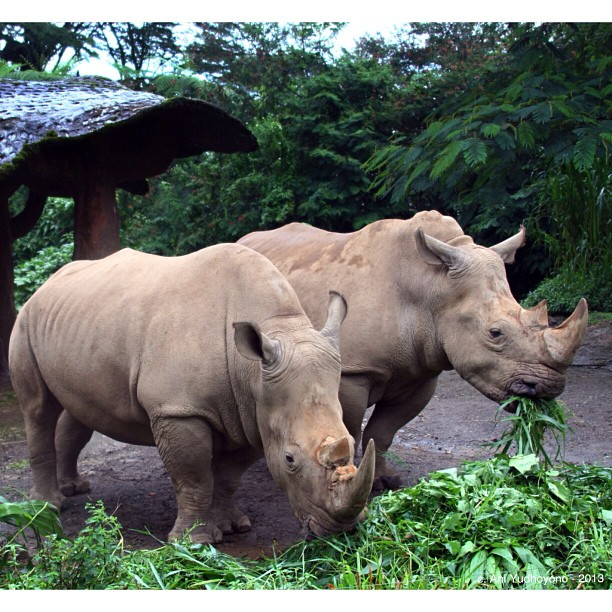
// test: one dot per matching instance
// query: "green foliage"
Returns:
(32, 273)
(41, 46)
(496, 124)
(532, 424)
(564, 290)
(488, 149)
(93, 560)
(574, 220)
(36, 517)
(506, 523)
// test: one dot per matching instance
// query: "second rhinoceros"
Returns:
(424, 298)
(208, 356)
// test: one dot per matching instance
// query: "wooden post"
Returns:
(96, 221)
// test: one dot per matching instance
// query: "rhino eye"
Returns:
(495, 333)
(289, 459)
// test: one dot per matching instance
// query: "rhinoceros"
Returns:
(208, 356)
(424, 298)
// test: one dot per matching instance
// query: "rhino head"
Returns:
(493, 343)
(308, 449)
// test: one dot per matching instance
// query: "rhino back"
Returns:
(119, 339)
(368, 267)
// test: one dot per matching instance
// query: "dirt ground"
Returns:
(454, 428)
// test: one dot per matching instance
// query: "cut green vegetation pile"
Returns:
(506, 523)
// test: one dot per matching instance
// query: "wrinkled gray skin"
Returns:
(211, 358)
(424, 298)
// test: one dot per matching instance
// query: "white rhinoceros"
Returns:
(208, 356)
(424, 298)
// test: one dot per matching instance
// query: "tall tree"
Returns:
(136, 46)
(256, 63)
(42, 46)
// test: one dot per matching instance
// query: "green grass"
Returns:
(535, 422)
(506, 523)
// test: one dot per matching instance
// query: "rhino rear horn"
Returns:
(536, 316)
(564, 341)
(336, 313)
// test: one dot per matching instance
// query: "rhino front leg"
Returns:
(185, 446)
(390, 414)
(71, 436)
(228, 469)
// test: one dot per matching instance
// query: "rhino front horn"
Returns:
(352, 487)
(564, 341)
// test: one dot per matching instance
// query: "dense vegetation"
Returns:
(507, 523)
(496, 124)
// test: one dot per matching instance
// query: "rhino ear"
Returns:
(336, 313)
(437, 253)
(253, 344)
(508, 248)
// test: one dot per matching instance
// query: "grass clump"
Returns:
(533, 423)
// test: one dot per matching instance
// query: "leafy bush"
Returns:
(93, 560)
(39, 517)
(564, 290)
(32, 273)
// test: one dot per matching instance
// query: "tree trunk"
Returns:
(96, 221)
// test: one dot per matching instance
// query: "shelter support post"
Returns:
(96, 221)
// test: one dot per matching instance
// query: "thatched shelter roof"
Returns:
(49, 112)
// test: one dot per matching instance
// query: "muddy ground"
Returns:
(455, 427)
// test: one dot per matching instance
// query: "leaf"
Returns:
(559, 490)
(476, 568)
(542, 113)
(466, 548)
(523, 463)
(606, 515)
(584, 150)
(447, 158)
(475, 152)
(526, 135)
(490, 130)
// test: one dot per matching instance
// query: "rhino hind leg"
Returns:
(40, 412)
(388, 416)
(185, 447)
(71, 436)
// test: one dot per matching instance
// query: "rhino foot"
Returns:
(200, 534)
(74, 486)
(53, 497)
(387, 482)
(236, 522)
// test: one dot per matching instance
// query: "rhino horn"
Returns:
(508, 248)
(563, 341)
(333, 453)
(536, 316)
(351, 486)
(336, 313)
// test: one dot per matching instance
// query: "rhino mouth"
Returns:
(315, 528)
